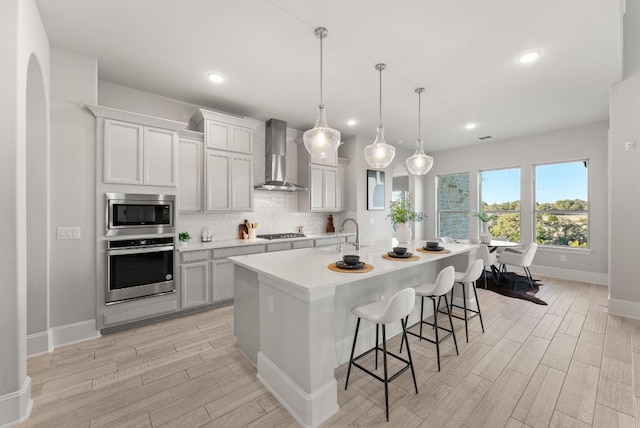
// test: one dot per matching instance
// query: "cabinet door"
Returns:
(242, 183)
(122, 152)
(316, 191)
(190, 190)
(218, 181)
(341, 200)
(194, 282)
(216, 135)
(330, 183)
(160, 157)
(242, 140)
(222, 283)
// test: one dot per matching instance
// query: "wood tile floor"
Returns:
(568, 364)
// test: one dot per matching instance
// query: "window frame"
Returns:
(499, 212)
(439, 211)
(535, 211)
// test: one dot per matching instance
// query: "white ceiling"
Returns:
(462, 51)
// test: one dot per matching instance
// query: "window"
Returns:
(562, 208)
(453, 205)
(500, 198)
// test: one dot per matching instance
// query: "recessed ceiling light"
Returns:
(215, 77)
(529, 56)
(470, 126)
(352, 122)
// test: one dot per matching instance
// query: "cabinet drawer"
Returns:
(279, 246)
(323, 242)
(194, 256)
(237, 251)
(307, 243)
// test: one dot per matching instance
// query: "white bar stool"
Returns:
(398, 307)
(443, 285)
(469, 277)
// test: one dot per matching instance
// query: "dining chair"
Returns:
(489, 259)
(519, 258)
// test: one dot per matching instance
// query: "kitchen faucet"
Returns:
(357, 244)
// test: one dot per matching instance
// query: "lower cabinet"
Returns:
(195, 284)
(222, 280)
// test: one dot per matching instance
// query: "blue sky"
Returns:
(554, 182)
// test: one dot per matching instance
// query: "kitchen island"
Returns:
(292, 316)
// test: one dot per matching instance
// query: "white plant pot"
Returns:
(403, 233)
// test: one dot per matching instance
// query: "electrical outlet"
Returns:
(563, 258)
(383, 297)
(371, 220)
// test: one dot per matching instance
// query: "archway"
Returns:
(37, 211)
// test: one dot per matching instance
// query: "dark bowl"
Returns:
(433, 244)
(351, 259)
(400, 250)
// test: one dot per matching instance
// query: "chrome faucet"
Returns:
(357, 244)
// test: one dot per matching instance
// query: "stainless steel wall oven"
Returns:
(139, 268)
(139, 214)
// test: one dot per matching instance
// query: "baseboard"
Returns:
(15, 407)
(73, 333)
(624, 308)
(39, 343)
(570, 274)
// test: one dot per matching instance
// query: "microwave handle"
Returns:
(119, 252)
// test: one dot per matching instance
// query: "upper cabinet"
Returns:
(323, 179)
(137, 149)
(228, 161)
(190, 168)
(225, 132)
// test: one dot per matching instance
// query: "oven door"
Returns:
(139, 272)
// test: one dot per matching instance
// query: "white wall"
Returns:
(22, 38)
(586, 142)
(73, 141)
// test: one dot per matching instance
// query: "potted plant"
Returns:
(184, 238)
(486, 219)
(400, 213)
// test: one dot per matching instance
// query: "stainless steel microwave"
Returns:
(139, 214)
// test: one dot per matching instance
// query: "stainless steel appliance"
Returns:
(281, 236)
(139, 214)
(139, 268)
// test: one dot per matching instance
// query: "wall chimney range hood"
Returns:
(275, 157)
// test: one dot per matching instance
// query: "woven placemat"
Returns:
(413, 258)
(422, 250)
(367, 268)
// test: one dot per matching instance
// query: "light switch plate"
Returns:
(69, 232)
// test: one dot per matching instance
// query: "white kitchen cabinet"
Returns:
(226, 132)
(137, 154)
(194, 283)
(341, 185)
(191, 175)
(222, 282)
(330, 159)
(322, 179)
(229, 181)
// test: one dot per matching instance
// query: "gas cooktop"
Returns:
(282, 236)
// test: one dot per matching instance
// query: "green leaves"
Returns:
(484, 217)
(400, 210)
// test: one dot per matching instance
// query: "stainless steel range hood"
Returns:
(275, 157)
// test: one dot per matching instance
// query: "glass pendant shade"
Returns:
(321, 140)
(379, 154)
(419, 163)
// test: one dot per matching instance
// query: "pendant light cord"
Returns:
(380, 113)
(321, 37)
(419, 114)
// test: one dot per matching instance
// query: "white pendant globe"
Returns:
(379, 154)
(321, 140)
(419, 163)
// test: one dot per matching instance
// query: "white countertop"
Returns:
(306, 269)
(197, 245)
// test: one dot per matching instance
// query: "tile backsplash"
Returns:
(276, 212)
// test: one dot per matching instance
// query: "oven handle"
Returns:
(119, 252)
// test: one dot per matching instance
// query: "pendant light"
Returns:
(419, 163)
(379, 154)
(321, 140)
